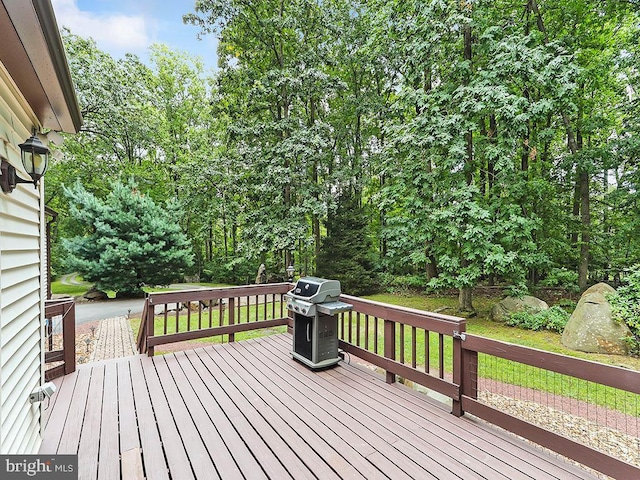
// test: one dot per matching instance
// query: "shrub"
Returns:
(561, 277)
(625, 307)
(553, 319)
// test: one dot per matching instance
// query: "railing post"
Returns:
(232, 314)
(390, 346)
(458, 369)
(69, 337)
(151, 311)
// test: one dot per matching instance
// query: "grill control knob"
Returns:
(304, 311)
(297, 309)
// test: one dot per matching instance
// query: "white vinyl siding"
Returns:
(20, 287)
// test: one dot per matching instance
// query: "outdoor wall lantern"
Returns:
(35, 159)
(290, 270)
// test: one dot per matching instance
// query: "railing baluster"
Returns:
(441, 359)
(413, 347)
(265, 307)
(358, 328)
(366, 332)
(350, 326)
(427, 351)
(401, 345)
(375, 336)
(69, 338)
(231, 307)
(166, 318)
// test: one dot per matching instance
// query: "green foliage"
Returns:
(625, 307)
(401, 284)
(561, 277)
(553, 319)
(346, 253)
(517, 291)
(236, 271)
(448, 121)
(130, 241)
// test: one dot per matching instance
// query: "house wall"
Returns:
(21, 297)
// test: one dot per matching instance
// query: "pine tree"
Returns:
(131, 241)
(346, 253)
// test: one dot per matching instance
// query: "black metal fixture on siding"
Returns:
(35, 159)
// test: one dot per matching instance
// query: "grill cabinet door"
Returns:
(303, 335)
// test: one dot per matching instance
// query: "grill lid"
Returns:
(316, 290)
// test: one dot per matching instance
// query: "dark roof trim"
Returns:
(33, 55)
(51, 33)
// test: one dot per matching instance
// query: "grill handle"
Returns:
(308, 335)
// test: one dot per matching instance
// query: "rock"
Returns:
(509, 305)
(95, 294)
(591, 327)
(261, 277)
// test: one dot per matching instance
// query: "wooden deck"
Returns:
(247, 410)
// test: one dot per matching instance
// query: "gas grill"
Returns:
(315, 305)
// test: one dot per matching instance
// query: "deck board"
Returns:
(246, 410)
(109, 466)
(152, 449)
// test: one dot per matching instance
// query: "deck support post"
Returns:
(69, 337)
(150, 327)
(231, 309)
(390, 346)
(458, 369)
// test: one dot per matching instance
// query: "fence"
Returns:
(192, 314)
(60, 338)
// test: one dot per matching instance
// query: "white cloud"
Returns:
(114, 32)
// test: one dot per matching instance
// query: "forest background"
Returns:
(389, 144)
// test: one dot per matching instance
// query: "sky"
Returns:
(131, 26)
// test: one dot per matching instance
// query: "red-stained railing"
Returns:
(171, 317)
(416, 345)
(60, 337)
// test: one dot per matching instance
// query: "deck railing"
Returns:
(60, 337)
(426, 348)
(171, 317)
(416, 345)
(575, 391)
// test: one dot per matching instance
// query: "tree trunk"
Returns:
(585, 221)
(432, 267)
(465, 300)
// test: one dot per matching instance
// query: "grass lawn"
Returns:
(60, 288)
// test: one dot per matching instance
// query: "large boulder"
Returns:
(591, 327)
(501, 310)
(95, 294)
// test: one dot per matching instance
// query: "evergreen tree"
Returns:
(346, 253)
(130, 241)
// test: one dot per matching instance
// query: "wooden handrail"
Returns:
(227, 300)
(66, 308)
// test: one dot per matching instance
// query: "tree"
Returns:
(346, 253)
(130, 240)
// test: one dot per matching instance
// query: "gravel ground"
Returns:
(595, 435)
(85, 342)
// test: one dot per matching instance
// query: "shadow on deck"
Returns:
(247, 410)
